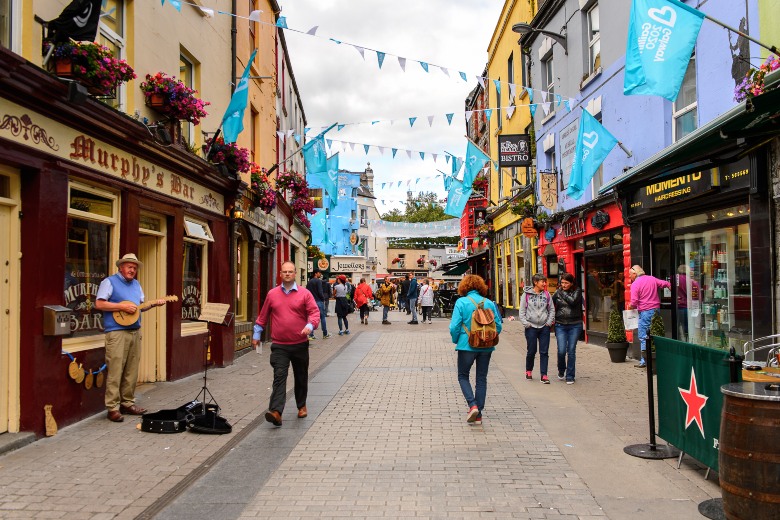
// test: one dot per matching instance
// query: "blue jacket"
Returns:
(412, 289)
(461, 315)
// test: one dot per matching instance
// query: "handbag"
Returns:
(631, 319)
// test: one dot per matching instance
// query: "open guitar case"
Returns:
(197, 416)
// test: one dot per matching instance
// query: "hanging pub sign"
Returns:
(548, 190)
(528, 227)
(671, 190)
(479, 216)
(514, 150)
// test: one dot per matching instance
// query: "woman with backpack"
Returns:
(342, 291)
(473, 291)
(568, 325)
(537, 314)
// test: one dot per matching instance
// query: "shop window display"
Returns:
(713, 301)
(604, 288)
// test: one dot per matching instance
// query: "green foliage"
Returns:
(616, 333)
(657, 327)
(424, 207)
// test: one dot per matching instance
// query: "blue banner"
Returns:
(314, 154)
(457, 198)
(330, 179)
(594, 143)
(319, 228)
(661, 38)
(233, 120)
(475, 161)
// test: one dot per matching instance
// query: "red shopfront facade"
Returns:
(593, 245)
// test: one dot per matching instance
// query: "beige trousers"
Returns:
(123, 350)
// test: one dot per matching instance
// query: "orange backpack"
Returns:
(483, 333)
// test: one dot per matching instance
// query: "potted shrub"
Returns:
(616, 336)
(657, 328)
(173, 98)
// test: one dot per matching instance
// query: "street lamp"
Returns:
(524, 28)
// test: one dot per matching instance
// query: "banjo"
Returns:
(126, 318)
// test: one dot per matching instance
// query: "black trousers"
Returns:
(282, 356)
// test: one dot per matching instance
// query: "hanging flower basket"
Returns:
(480, 182)
(91, 64)
(396, 260)
(753, 83)
(235, 158)
(173, 98)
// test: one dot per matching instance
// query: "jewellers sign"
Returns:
(514, 150)
(348, 264)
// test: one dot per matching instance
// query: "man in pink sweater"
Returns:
(294, 315)
(644, 298)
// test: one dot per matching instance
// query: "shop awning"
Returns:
(749, 124)
(457, 270)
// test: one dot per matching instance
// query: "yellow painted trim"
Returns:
(14, 296)
(505, 220)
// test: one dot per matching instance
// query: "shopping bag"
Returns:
(631, 319)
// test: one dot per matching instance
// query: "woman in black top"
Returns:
(568, 325)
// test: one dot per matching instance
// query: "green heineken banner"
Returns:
(689, 397)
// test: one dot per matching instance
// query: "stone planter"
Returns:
(617, 351)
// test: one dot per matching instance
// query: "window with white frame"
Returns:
(91, 234)
(194, 273)
(684, 111)
(111, 33)
(548, 79)
(594, 39)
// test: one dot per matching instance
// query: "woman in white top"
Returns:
(426, 300)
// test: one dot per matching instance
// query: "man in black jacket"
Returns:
(321, 296)
(404, 292)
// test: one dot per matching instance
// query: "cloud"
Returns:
(337, 85)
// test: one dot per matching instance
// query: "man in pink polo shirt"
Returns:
(294, 315)
(644, 298)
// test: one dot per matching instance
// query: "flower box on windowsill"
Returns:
(63, 68)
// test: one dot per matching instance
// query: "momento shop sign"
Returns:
(671, 190)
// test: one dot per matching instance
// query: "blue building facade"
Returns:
(613, 226)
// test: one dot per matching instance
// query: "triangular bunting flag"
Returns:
(383, 185)
(481, 81)
(546, 108)
(395, 151)
(544, 96)
(497, 83)
(335, 40)
(280, 135)
(430, 120)
(380, 57)
(374, 122)
(424, 66)
(282, 22)
(297, 138)
(512, 87)
(381, 150)
(445, 71)
(402, 63)
(366, 147)
(313, 30)
(488, 113)
(360, 50)
(411, 121)
(435, 155)
(352, 146)
(449, 118)
(417, 181)
(532, 109)
(409, 153)
(330, 142)
(558, 99)
(422, 155)
(530, 94)
(339, 127)
(468, 115)
(463, 76)
(510, 110)
(399, 184)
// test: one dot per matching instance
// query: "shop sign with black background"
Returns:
(514, 150)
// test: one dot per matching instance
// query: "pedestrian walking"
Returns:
(342, 291)
(321, 296)
(386, 292)
(537, 313)
(122, 292)
(411, 298)
(403, 294)
(426, 300)
(568, 325)
(645, 299)
(293, 316)
(362, 296)
(473, 291)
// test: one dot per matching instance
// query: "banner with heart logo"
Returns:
(661, 38)
(594, 142)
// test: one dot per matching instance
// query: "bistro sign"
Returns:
(514, 150)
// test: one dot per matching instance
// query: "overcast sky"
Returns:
(337, 85)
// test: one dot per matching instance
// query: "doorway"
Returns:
(10, 241)
(151, 251)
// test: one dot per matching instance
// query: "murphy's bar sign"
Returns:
(672, 190)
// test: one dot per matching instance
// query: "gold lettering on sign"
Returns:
(672, 183)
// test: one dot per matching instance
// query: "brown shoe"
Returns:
(115, 416)
(132, 410)
(302, 412)
(273, 417)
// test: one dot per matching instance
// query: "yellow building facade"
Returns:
(512, 253)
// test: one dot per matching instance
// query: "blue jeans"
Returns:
(413, 307)
(645, 317)
(532, 336)
(465, 360)
(323, 323)
(567, 336)
(385, 310)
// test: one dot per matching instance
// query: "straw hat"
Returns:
(131, 258)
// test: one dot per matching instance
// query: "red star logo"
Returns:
(695, 402)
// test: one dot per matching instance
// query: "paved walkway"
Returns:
(386, 437)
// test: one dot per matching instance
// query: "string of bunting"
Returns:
(281, 23)
(80, 375)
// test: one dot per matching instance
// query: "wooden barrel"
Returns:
(749, 451)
